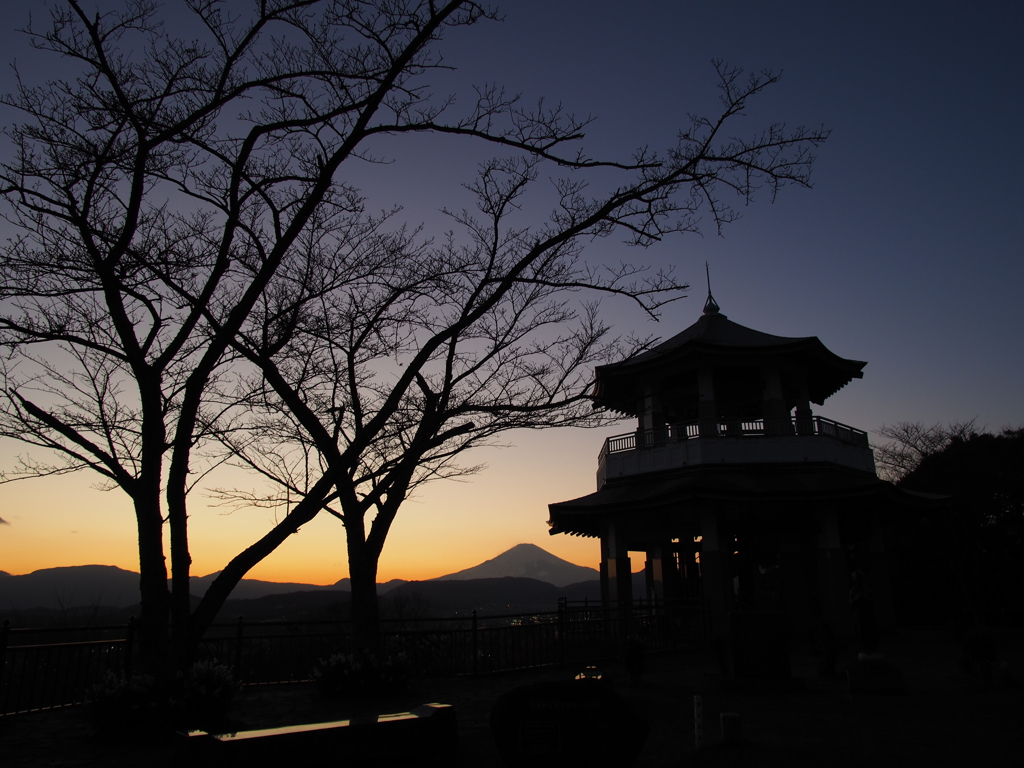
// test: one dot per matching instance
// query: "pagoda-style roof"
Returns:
(716, 339)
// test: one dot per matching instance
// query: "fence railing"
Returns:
(45, 675)
(815, 426)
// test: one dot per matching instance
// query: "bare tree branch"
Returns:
(910, 443)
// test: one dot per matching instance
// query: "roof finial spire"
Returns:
(710, 306)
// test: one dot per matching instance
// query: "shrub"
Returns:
(201, 695)
(197, 698)
(361, 676)
(128, 703)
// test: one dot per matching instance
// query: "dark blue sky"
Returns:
(908, 251)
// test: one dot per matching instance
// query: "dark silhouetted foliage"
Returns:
(966, 560)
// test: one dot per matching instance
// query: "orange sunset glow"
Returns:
(448, 527)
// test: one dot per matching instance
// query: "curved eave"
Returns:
(615, 384)
(756, 486)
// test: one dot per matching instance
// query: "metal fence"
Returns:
(35, 674)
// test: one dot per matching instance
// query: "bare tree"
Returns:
(154, 194)
(910, 443)
(190, 268)
(377, 373)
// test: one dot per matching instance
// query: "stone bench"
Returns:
(430, 728)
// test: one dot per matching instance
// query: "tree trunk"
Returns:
(154, 609)
(362, 565)
(182, 646)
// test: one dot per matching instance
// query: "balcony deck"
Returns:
(815, 439)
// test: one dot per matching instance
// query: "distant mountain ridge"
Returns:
(527, 561)
(488, 596)
(252, 589)
(75, 586)
(92, 586)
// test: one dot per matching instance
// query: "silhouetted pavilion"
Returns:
(731, 485)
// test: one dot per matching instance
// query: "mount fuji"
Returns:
(526, 561)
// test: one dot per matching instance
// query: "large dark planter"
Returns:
(759, 645)
(567, 723)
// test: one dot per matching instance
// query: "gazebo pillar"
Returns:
(707, 410)
(804, 416)
(616, 578)
(716, 570)
(662, 575)
(651, 421)
(796, 577)
(773, 406)
(874, 561)
(833, 575)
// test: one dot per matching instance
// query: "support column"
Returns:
(620, 582)
(744, 567)
(662, 578)
(804, 417)
(688, 585)
(773, 406)
(615, 570)
(880, 581)
(651, 420)
(716, 571)
(603, 567)
(833, 575)
(707, 410)
(796, 580)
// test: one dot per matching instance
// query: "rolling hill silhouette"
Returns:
(76, 586)
(525, 578)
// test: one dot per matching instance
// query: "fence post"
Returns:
(238, 647)
(698, 722)
(5, 690)
(562, 607)
(5, 632)
(475, 645)
(129, 643)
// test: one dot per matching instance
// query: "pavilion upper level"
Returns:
(722, 394)
(676, 446)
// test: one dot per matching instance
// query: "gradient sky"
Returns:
(907, 253)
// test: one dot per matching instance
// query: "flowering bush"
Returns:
(360, 676)
(126, 702)
(198, 697)
(202, 694)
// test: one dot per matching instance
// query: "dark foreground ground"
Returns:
(946, 717)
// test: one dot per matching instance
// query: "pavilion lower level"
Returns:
(769, 537)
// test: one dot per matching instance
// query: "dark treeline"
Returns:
(960, 566)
